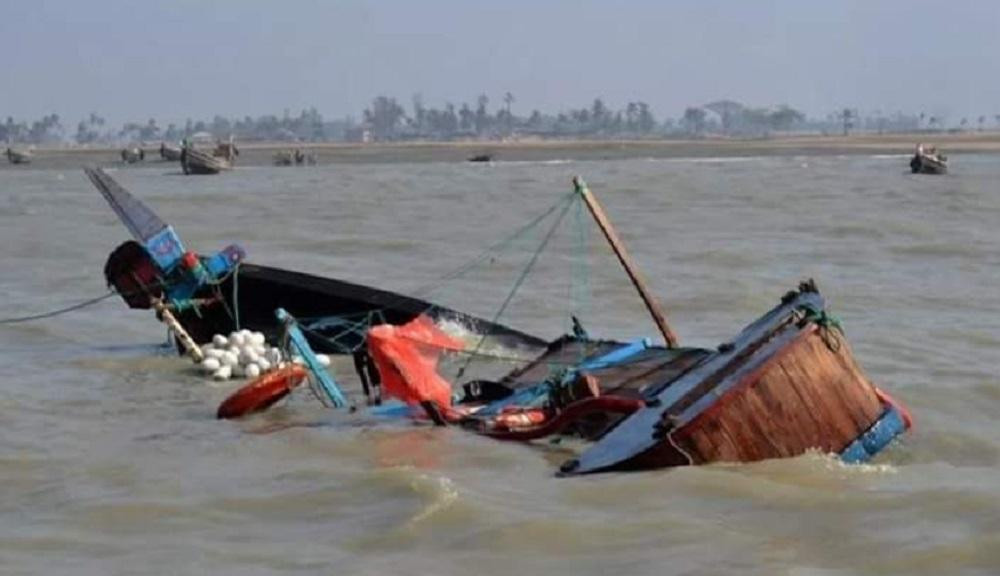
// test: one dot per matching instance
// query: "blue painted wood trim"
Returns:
(298, 341)
(876, 438)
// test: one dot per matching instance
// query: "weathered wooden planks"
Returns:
(811, 394)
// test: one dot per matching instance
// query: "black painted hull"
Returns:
(255, 292)
(923, 164)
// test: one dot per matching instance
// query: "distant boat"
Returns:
(227, 150)
(480, 158)
(170, 153)
(18, 156)
(293, 158)
(194, 161)
(133, 155)
(926, 160)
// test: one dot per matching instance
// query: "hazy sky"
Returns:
(195, 58)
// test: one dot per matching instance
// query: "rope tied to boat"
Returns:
(60, 311)
(567, 203)
(831, 329)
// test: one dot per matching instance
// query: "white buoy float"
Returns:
(242, 353)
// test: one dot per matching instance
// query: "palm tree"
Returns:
(508, 99)
(848, 118)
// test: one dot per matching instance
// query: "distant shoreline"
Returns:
(261, 153)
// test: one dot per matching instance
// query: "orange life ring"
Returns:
(262, 393)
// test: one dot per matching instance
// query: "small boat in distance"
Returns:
(170, 153)
(294, 157)
(480, 158)
(133, 155)
(194, 161)
(926, 160)
(18, 156)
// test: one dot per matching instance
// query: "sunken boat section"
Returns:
(788, 383)
(220, 293)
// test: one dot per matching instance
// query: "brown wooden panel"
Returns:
(809, 395)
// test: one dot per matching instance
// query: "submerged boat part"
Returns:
(221, 293)
(323, 384)
(786, 384)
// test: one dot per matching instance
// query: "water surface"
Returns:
(112, 462)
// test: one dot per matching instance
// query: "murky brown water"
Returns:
(112, 462)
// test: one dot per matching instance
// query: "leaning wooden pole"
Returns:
(630, 268)
(168, 318)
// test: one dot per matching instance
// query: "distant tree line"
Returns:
(387, 120)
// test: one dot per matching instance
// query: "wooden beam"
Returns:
(168, 318)
(626, 261)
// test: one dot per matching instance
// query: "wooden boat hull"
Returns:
(250, 296)
(786, 385)
(16, 157)
(924, 164)
(133, 155)
(199, 162)
(221, 293)
(170, 153)
(293, 158)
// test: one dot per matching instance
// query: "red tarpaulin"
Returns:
(407, 358)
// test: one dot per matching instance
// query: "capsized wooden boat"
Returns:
(18, 156)
(194, 161)
(219, 293)
(926, 160)
(786, 384)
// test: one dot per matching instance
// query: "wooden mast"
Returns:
(633, 273)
